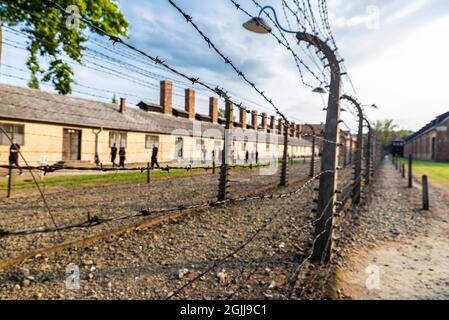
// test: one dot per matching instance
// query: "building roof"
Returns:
(397, 139)
(439, 120)
(319, 129)
(18, 103)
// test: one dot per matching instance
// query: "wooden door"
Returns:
(71, 145)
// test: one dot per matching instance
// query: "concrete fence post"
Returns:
(357, 191)
(425, 193)
(410, 171)
(224, 170)
(8, 195)
(213, 162)
(368, 154)
(330, 155)
(284, 168)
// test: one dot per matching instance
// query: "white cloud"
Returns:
(408, 10)
(400, 66)
(408, 79)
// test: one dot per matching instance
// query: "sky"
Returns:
(394, 51)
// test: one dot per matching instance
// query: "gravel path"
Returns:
(153, 263)
(392, 249)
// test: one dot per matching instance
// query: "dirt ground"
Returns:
(395, 250)
(388, 248)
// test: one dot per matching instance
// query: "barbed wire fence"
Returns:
(329, 206)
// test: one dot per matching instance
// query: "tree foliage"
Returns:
(50, 37)
(386, 130)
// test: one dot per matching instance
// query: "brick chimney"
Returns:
(281, 127)
(190, 103)
(264, 121)
(167, 97)
(122, 105)
(254, 120)
(299, 131)
(213, 109)
(292, 129)
(230, 109)
(243, 117)
(272, 123)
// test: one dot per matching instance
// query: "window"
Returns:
(117, 138)
(151, 141)
(13, 131)
(200, 145)
(244, 145)
(180, 147)
(217, 149)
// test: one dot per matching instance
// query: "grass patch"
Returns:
(436, 171)
(106, 178)
(83, 180)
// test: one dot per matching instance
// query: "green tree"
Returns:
(386, 130)
(53, 33)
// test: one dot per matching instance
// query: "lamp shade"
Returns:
(257, 25)
(319, 90)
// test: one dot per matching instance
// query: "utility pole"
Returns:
(358, 153)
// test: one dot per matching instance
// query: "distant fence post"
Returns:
(284, 178)
(356, 195)
(312, 161)
(351, 151)
(148, 173)
(403, 171)
(425, 193)
(368, 154)
(410, 171)
(224, 170)
(373, 154)
(8, 195)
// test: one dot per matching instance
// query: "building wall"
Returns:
(43, 143)
(421, 146)
(442, 142)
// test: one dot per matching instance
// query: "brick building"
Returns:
(431, 142)
(348, 141)
(53, 128)
(397, 146)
